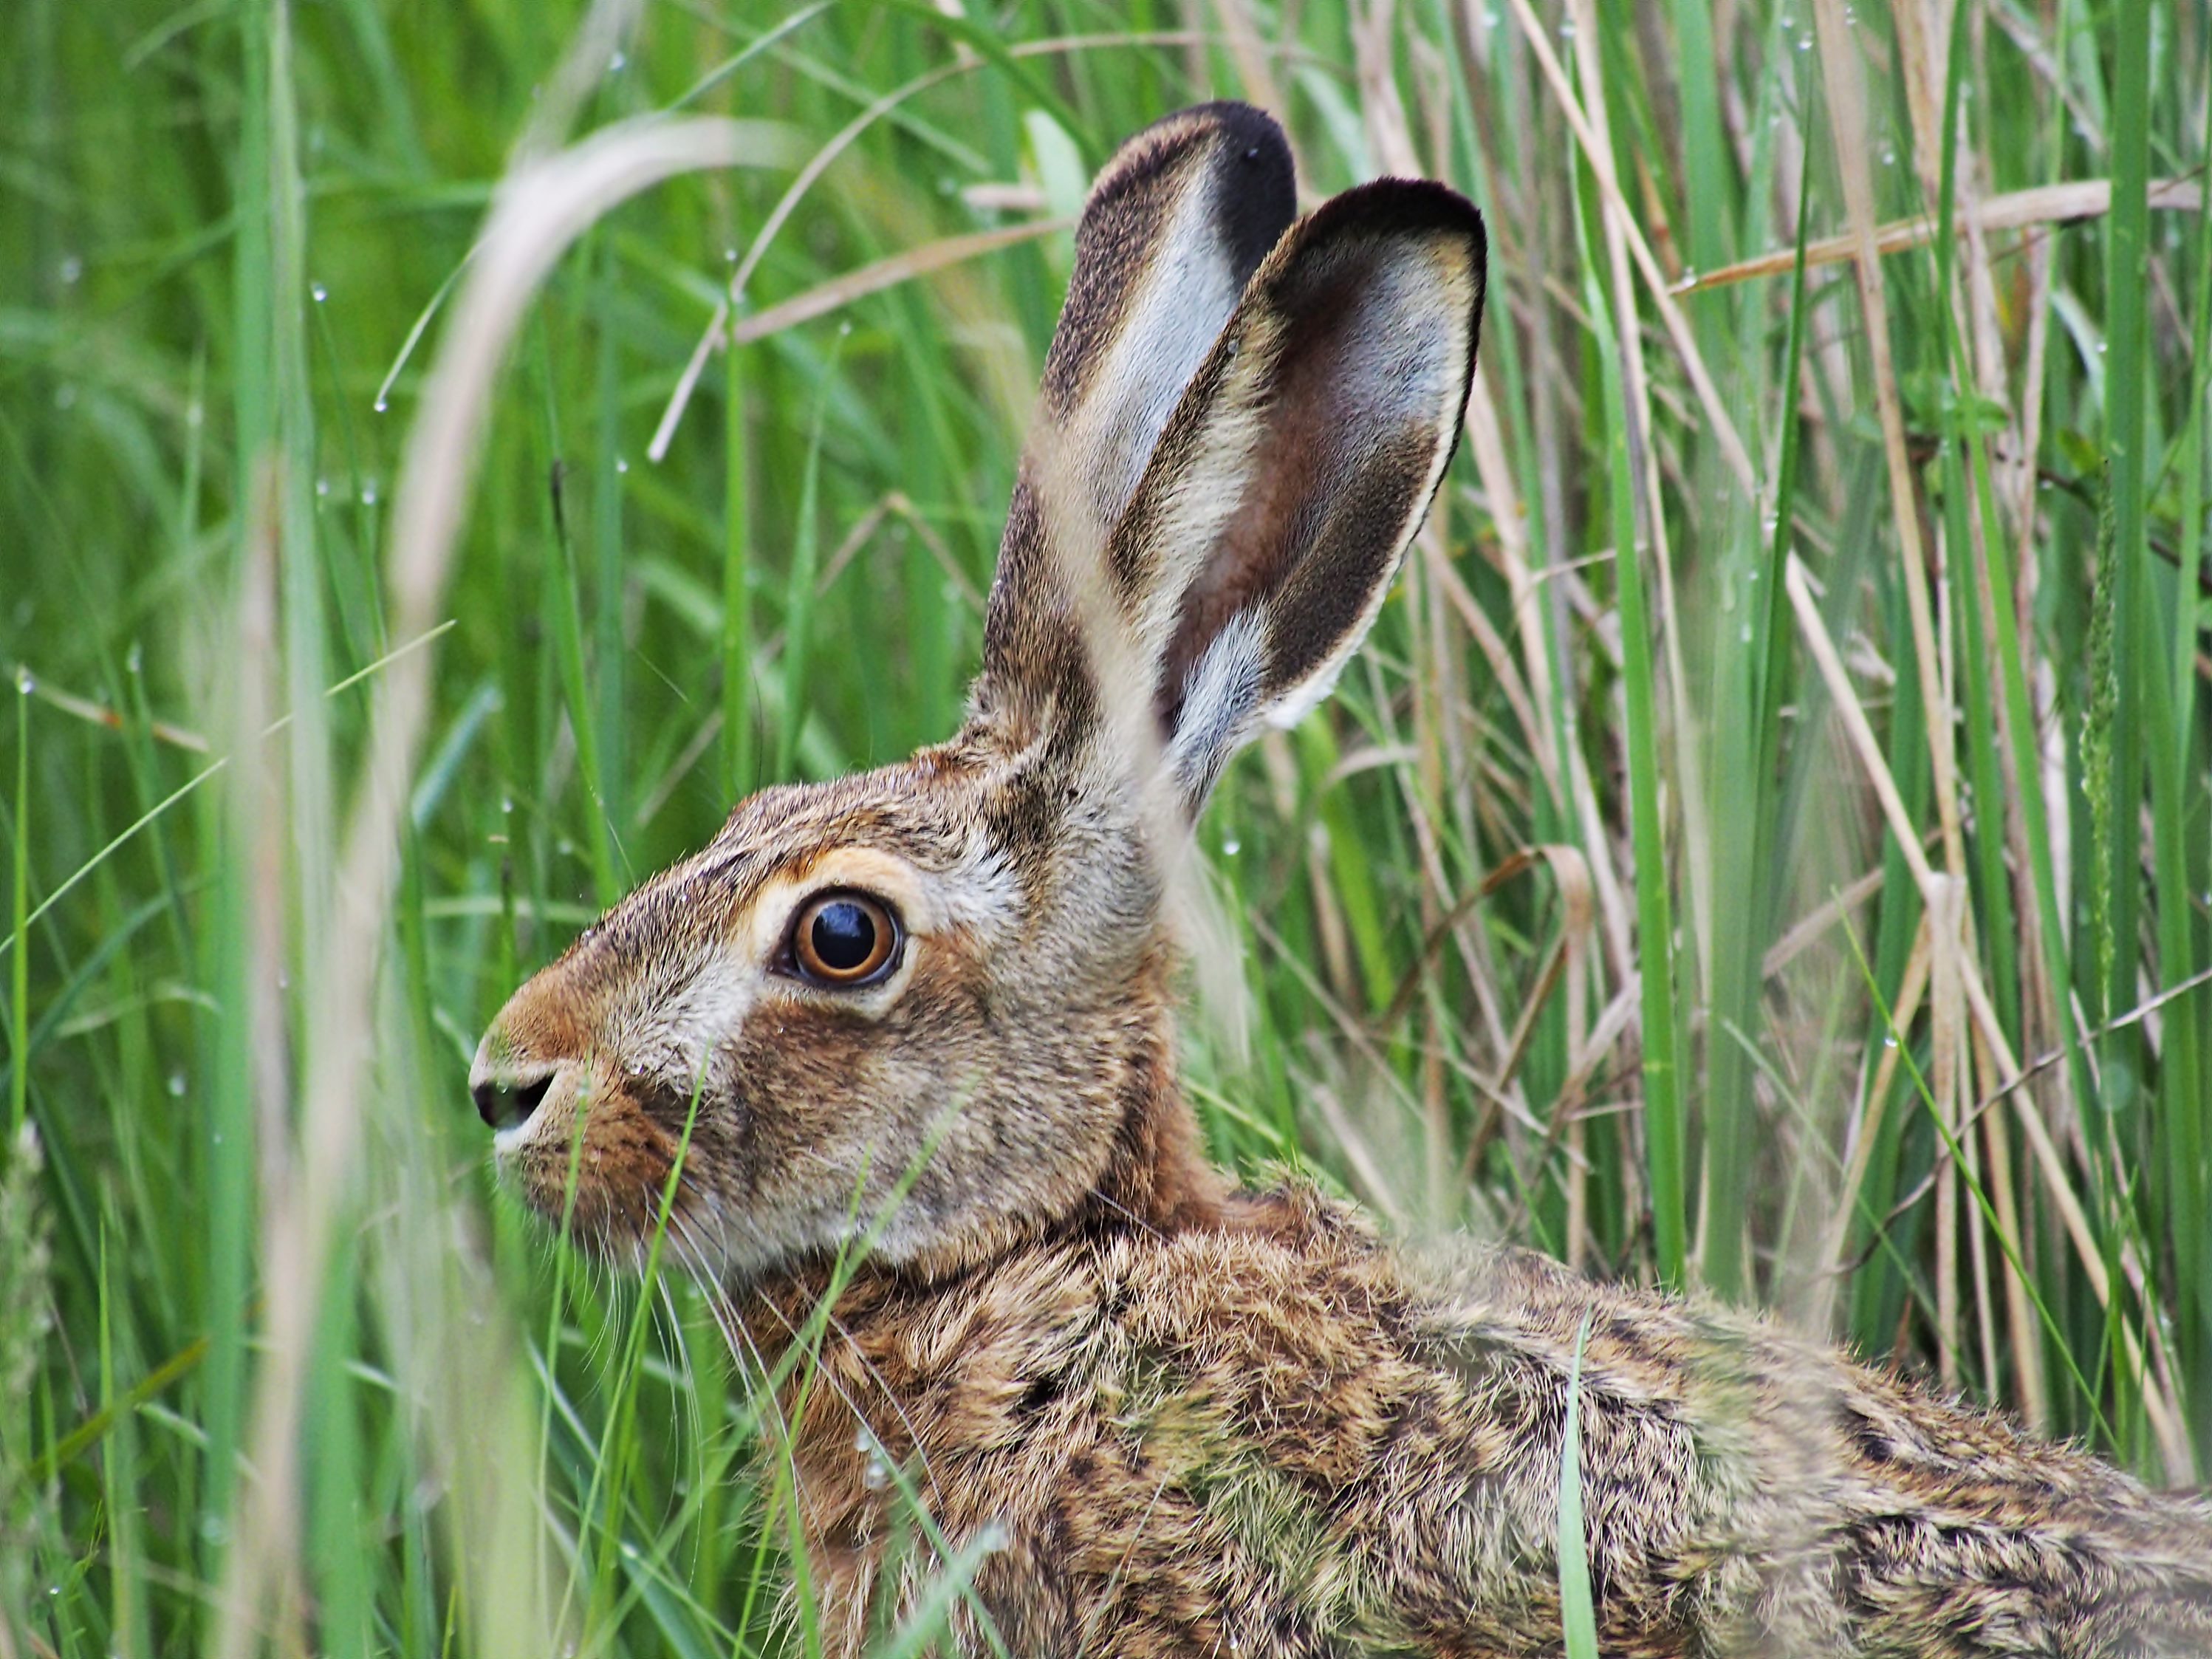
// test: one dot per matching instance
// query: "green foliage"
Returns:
(1551, 921)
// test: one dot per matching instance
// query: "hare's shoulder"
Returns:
(1373, 1435)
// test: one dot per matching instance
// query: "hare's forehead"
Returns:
(937, 887)
(934, 856)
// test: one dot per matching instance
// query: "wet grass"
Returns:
(1815, 908)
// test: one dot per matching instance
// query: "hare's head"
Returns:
(932, 999)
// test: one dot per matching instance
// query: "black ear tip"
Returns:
(1395, 209)
(1405, 207)
(1252, 135)
(1254, 182)
(1236, 156)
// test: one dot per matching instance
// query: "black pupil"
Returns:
(844, 936)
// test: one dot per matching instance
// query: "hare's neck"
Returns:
(1157, 1177)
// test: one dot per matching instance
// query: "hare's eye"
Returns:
(844, 940)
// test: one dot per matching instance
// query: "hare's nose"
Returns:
(505, 1100)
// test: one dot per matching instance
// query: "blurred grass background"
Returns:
(1813, 908)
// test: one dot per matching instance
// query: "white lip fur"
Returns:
(1183, 1418)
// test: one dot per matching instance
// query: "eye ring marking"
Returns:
(843, 940)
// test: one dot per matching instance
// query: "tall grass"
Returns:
(1766, 845)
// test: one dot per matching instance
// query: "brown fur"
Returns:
(1281, 1437)
(962, 1213)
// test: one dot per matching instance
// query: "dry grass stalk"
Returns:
(2019, 209)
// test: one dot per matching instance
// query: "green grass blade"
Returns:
(2127, 367)
(737, 777)
(19, 957)
(1577, 1616)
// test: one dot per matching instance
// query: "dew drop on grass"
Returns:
(24, 683)
(1230, 846)
(176, 1085)
(616, 63)
(380, 405)
(622, 462)
(323, 487)
(318, 291)
(134, 662)
(369, 494)
(72, 271)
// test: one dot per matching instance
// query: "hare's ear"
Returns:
(1176, 224)
(1278, 505)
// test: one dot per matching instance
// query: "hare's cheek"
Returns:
(604, 1169)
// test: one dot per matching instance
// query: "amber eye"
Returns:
(844, 940)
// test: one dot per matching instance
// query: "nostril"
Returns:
(527, 1097)
(506, 1103)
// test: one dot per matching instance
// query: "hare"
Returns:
(912, 1036)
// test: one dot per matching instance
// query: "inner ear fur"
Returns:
(1175, 226)
(1300, 462)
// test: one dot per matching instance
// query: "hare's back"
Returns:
(1285, 1436)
